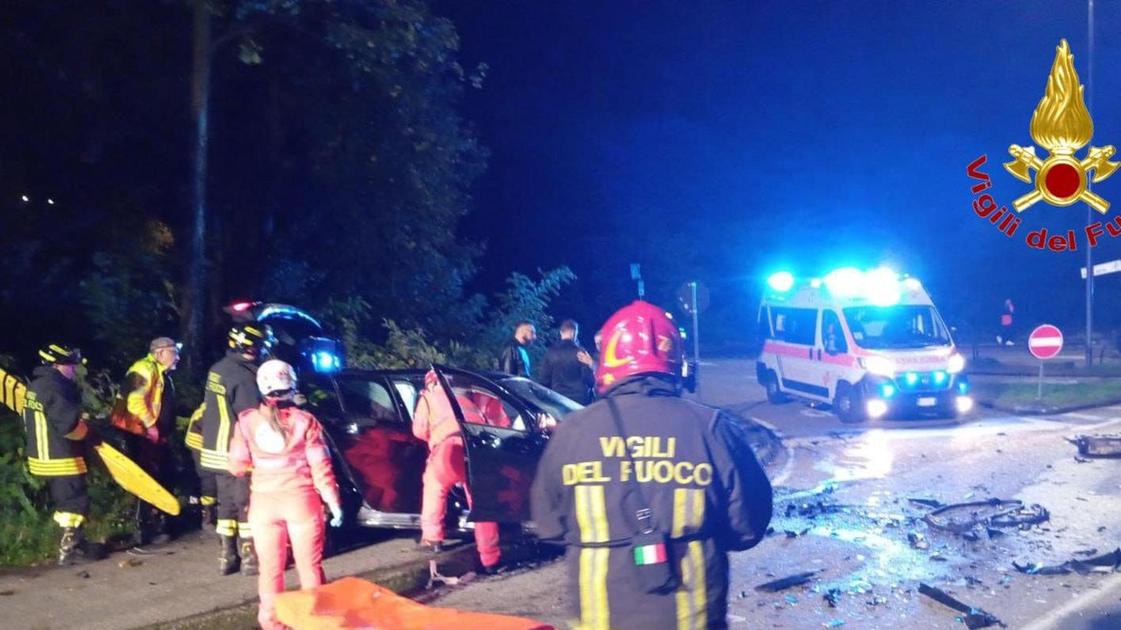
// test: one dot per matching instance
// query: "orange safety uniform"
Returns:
(290, 476)
(434, 422)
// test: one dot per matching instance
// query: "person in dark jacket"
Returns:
(649, 491)
(515, 359)
(56, 432)
(231, 388)
(567, 368)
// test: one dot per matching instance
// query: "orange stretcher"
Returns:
(127, 473)
(356, 603)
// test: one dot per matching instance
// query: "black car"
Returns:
(367, 416)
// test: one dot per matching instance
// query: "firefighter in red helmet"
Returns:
(649, 491)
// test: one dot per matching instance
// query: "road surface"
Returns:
(842, 509)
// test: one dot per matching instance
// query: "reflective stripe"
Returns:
(41, 435)
(591, 515)
(68, 519)
(226, 527)
(691, 598)
(214, 460)
(205, 500)
(193, 440)
(57, 467)
(223, 443)
(244, 531)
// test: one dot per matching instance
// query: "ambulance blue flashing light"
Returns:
(844, 282)
(781, 281)
(325, 362)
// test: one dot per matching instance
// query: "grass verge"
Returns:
(1018, 395)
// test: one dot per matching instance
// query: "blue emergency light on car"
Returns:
(324, 354)
(781, 281)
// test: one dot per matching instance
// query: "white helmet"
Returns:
(275, 376)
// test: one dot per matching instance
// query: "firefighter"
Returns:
(56, 432)
(649, 491)
(284, 444)
(434, 422)
(146, 412)
(231, 388)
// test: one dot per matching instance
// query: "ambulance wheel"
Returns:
(774, 394)
(847, 403)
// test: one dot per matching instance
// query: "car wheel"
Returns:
(847, 403)
(774, 394)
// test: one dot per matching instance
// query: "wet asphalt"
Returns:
(843, 512)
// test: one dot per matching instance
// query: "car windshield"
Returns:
(893, 327)
(546, 399)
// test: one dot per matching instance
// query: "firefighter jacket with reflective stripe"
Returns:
(146, 400)
(231, 388)
(193, 439)
(52, 412)
(698, 476)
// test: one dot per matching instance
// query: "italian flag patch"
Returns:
(650, 554)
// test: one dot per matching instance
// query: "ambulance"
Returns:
(868, 342)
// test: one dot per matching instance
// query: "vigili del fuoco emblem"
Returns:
(1062, 125)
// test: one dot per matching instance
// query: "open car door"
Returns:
(503, 445)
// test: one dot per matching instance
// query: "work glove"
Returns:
(336, 515)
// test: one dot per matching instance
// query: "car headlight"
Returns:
(955, 364)
(881, 366)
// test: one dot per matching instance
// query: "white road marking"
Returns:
(1051, 618)
(1081, 416)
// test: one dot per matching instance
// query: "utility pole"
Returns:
(696, 337)
(195, 302)
(1089, 211)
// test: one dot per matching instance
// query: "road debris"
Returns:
(128, 563)
(780, 584)
(991, 513)
(836, 623)
(832, 596)
(1105, 563)
(930, 503)
(917, 540)
(1105, 445)
(973, 617)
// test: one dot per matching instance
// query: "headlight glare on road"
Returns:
(955, 364)
(964, 404)
(875, 408)
(881, 366)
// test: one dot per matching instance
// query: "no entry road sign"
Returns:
(1045, 342)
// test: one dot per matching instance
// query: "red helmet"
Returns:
(639, 338)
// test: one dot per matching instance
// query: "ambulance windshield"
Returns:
(896, 327)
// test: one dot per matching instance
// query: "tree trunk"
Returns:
(195, 296)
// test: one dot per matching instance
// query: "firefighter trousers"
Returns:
(70, 499)
(446, 468)
(278, 518)
(233, 506)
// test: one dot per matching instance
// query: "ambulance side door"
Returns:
(503, 445)
(796, 350)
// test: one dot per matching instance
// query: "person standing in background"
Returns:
(567, 368)
(515, 359)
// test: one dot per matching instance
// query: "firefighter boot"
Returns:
(228, 561)
(72, 547)
(248, 557)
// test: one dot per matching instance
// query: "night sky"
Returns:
(725, 140)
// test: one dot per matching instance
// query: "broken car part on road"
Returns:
(961, 518)
(973, 617)
(1098, 445)
(780, 584)
(1105, 563)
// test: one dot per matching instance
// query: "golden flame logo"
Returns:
(1062, 125)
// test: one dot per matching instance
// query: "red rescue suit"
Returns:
(434, 422)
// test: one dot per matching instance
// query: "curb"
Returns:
(1049, 411)
(403, 579)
